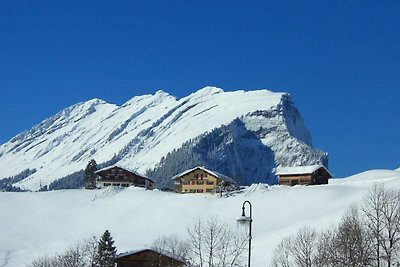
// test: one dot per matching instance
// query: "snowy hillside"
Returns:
(45, 223)
(143, 134)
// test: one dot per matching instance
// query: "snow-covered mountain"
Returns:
(243, 134)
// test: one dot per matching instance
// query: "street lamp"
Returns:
(244, 220)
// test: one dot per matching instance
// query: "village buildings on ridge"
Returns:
(203, 180)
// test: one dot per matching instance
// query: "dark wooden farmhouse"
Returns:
(119, 176)
(147, 258)
(303, 175)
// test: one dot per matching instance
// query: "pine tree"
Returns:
(105, 251)
(90, 176)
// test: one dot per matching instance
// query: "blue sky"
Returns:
(340, 61)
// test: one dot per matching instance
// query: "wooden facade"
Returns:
(200, 180)
(303, 175)
(147, 258)
(119, 176)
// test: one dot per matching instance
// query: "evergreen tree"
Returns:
(105, 251)
(90, 176)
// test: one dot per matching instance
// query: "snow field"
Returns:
(46, 223)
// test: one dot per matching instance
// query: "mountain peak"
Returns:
(206, 91)
(158, 96)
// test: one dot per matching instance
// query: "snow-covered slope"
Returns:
(145, 129)
(45, 223)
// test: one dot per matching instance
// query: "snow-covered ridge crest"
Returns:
(70, 114)
(146, 129)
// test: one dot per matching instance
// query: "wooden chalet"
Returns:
(200, 180)
(147, 258)
(303, 175)
(123, 177)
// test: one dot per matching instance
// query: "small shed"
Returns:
(147, 258)
(303, 175)
(123, 177)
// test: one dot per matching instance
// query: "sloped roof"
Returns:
(307, 169)
(214, 173)
(133, 252)
(124, 168)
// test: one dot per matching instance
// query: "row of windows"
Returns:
(294, 181)
(209, 190)
(122, 176)
(196, 176)
(199, 182)
(115, 184)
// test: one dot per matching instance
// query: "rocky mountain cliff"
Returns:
(243, 134)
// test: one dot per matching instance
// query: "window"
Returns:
(200, 182)
(210, 182)
(209, 190)
(193, 182)
(199, 190)
(285, 182)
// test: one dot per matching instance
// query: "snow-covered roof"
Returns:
(307, 169)
(132, 252)
(127, 169)
(214, 173)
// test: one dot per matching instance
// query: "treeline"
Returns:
(209, 242)
(367, 235)
(6, 184)
(86, 253)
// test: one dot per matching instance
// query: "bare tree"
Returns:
(352, 241)
(299, 250)
(44, 262)
(80, 254)
(282, 255)
(196, 241)
(172, 246)
(382, 211)
(373, 210)
(213, 243)
(304, 247)
(90, 247)
(326, 253)
(391, 232)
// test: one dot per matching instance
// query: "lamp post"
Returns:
(247, 221)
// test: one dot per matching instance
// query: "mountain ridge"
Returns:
(143, 130)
